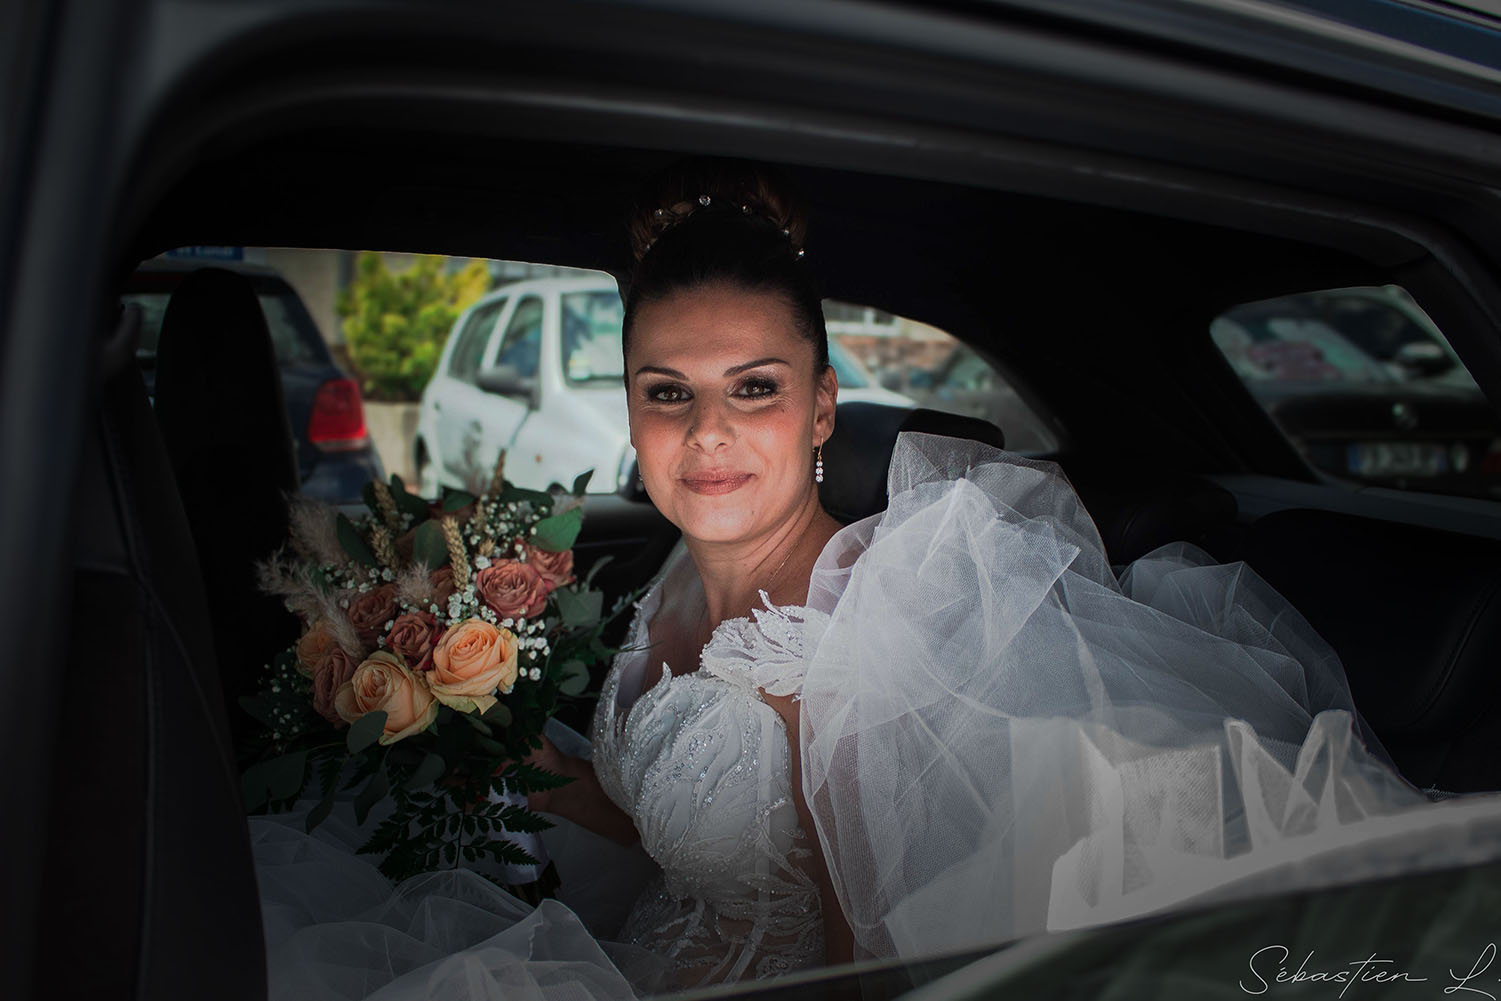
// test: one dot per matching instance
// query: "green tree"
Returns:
(395, 322)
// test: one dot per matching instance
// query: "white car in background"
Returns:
(535, 368)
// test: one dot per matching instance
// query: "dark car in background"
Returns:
(1367, 388)
(335, 454)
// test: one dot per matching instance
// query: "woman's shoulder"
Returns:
(764, 651)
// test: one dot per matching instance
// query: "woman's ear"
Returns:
(826, 399)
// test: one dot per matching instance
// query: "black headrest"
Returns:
(218, 385)
(857, 456)
(224, 423)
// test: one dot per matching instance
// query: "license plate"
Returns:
(1398, 458)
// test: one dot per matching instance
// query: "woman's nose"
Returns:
(710, 426)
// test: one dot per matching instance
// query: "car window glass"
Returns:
(883, 358)
(591, 332)
(1367, 389)
(522, 344)
(464, 362)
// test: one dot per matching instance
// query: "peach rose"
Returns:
(329, 675)
(512, 589)
(414, 635)
(384, 682)
(371, 610)
(471, 663)
(555, 569)
(314, 645)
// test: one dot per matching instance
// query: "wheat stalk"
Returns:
(387, 505)
(382, 546)
(456, 556)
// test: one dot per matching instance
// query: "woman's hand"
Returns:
(582, 800)
(550, 759)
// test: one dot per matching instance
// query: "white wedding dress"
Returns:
(999, 737)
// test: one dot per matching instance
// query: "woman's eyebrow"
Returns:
(673, 373)
(737, 369)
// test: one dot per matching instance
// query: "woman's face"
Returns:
(725, 410)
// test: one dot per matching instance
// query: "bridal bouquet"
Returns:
(438, 638)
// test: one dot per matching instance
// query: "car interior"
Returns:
(1094, 287)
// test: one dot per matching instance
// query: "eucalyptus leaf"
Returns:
(407, 501)
(499, 715)
(284, 775)
(355, 547)
(581, 482)
(514, 495)
(366, 730)
(579, 608)
(557, 533)
(431, 769)
(479, 724)
(374, 791)
(367, 494)
(453, 500)
(573, 677)
(428, 545)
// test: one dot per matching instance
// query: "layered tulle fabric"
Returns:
(337, 930)
(1001, 738)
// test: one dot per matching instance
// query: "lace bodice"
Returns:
(700, 763)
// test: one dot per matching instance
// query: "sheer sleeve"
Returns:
(1000, 738)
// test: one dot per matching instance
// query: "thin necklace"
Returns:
(703, 621)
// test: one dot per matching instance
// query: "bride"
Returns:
(948, 725)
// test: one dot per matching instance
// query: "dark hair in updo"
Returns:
(747, 237)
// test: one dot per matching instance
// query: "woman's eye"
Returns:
(667, 393)
(758, 388)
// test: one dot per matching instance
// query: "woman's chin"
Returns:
(723, 518)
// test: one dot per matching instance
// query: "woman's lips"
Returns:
(715, 483)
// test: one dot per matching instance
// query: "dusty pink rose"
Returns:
(414, 635)
(329, 675)
(384, 682)
(369, 612)
(473, 661)
(443, 586)
(512, 589)
(316, 643)
(555, 569)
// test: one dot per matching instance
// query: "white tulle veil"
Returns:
(1001, 738)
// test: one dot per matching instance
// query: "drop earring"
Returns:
(818, 463)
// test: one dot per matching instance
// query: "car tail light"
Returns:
(338, 420)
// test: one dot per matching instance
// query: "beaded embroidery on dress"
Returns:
(700, 763)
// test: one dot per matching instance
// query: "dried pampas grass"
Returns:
(313, 531)
(414, 586)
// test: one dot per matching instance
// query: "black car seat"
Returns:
(148, 886)
(857, 455)
(220, 408)
(1415, 616)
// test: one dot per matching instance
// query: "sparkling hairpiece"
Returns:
(681, 212)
